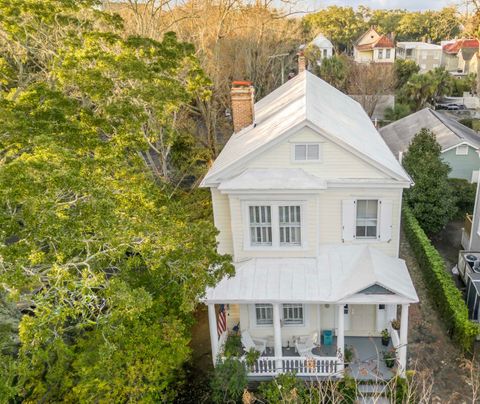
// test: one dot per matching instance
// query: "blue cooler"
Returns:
(327, 337)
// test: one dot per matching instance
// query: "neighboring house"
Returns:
(373, 47)
(307, 199)
(460, 56)
(324, 46)
(469, 261)
(426, 55)
(460, 145)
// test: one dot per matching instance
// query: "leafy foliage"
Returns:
(431, 198)
(398, 111)
(233, 346)
(465, 195)
(334, 71)
(229, 381)
(426, 88)
(441, 287)
(108, 260)
(404, 70)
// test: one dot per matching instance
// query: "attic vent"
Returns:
(376, 290)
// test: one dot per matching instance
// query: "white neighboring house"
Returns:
(324, 46)
(307, 200)
(427, 56)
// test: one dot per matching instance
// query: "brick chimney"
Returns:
(242, 94)
(302, 62)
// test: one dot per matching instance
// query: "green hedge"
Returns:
(440, 284)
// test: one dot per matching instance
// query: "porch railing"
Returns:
(300, 365)
(467, 225)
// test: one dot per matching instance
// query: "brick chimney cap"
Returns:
(241, 83)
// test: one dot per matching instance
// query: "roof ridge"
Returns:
(445, 120)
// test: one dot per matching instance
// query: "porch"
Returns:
(332, 339)
(297, 314)
(366, 362)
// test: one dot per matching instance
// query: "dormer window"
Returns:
(306, 152)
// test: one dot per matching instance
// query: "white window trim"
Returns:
(377, 236)
(292, 152)
(276, 246)
(460, 147)
(302, 324)
(253, 316)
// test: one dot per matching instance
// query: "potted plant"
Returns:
(389, 358)
(395, 324)
(233, 346)
(251, 357)
(348, 355)
(385, 337)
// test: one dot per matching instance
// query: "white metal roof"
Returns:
(273, 179)
(339, 274)
(321, 41)
(306, 100)
(419, 45)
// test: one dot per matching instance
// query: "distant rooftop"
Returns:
(419, 45)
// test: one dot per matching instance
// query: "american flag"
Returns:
(222, 320)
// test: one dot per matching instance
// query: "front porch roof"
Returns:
(340, 273)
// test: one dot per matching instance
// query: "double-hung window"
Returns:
(289, 225)
(387, 54)
(264, 314)
(260, 225)
(275, 224)
(367, 218)
(293, 314)
(380, 53)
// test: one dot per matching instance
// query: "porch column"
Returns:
(340, 333)
(212, 325)
(403, 340)
(277, 333)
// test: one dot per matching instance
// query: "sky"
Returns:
(413, 5)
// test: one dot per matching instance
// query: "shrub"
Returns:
(465, 193)
(229, 381)
(284, 388)
(441, 287)
(431, 198)
(233, 346)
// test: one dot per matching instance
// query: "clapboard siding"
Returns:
(221, 217)
(336, 161)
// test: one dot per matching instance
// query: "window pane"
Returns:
(312, 152)
(264, 313)
(367, 218)
(290, 225)
(260, 225)
(293, 313)
(300, 152)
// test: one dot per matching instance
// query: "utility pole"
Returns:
(281, 56)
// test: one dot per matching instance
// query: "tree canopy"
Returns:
(431, 198)
(105, 260)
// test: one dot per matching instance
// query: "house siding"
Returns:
(336, 162)
(222, 220)
(462, 166)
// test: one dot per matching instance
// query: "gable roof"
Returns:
(456, 46)
(307, 100)
(321, 41)
(379, 41)
(339, 273)
(448, 132)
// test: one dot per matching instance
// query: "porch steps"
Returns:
(372, 394)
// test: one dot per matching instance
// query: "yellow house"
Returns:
(373, 47)
(307, 199)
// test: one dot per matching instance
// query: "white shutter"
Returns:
(348, 219)
(386, 212)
